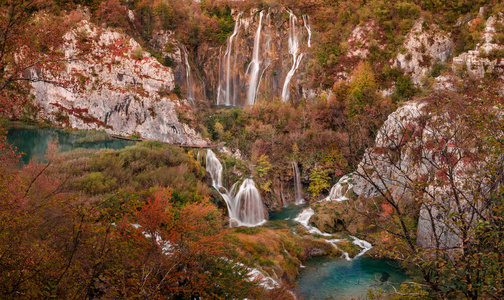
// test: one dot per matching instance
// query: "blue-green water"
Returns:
(326, 278)
(34, 142)
(286, 213)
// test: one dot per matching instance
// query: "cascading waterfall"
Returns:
(306, 22)
(214, 168)
(255, 64)
(245, 207)
(249, 207)
(227, 97)
(297, 184)
(341, 189)
(259, 57)
(293, 50)
(189, 81)
(304, 219)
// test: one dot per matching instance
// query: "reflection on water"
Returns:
(326, 278)
(34, 142)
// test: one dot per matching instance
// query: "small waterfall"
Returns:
(293, 50)
(214, 168)
(297, 184)
(227, 97)
(189, 81)
(255, 64)
(245, 207)
(249, 207)
(366, 246)
(304, 219)
(341, 189)
(306, 22)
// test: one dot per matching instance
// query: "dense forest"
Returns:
(379, 120)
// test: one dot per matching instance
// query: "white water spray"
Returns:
(304, 219)
(189, 81)
(293, 50)
(297, 184)
(245, 207)
(340, 191)
(227, 97)
(306, 22)
(249, 209)
(255, 64)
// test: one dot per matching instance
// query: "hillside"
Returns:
(377, 120)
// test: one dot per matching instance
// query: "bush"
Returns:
(137, 53)
(96, 183)
(177, 90)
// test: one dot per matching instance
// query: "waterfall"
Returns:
(297, 184)
(341, 189)
(255, 64)
(293, 50)
(189, 81)
(227, 97)
(245, 207)
(306, 22)
(304, 219)
(214, 168)
(249, 207)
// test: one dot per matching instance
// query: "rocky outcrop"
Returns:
(111, 83)
(487, 57)
(427, 156)
(423, 46)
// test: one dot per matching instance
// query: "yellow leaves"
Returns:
(362, 88)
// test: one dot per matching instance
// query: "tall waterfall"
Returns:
(245, 207)
(293, 50)
(189, 81)
(255, 64)
(297, 184)
(227, 97)
(306, 21)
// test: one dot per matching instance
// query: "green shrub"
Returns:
(137, 53)
(177, 90)
(96, 183)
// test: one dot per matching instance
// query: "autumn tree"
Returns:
(30, 42)
(319, 181)
(435, 179)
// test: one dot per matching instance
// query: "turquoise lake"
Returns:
(327, 278)
(34, 142)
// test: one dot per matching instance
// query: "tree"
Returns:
(362, 90)
(435, 177)
(30, 42)
(55, 244)
(319, 181)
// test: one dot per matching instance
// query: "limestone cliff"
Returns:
(487, 56)
(432, 160)
(109, 82)
(424, 46)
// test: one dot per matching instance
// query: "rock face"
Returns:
(114, 86)
(479, 61)
(433, 158)
(422, 48)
